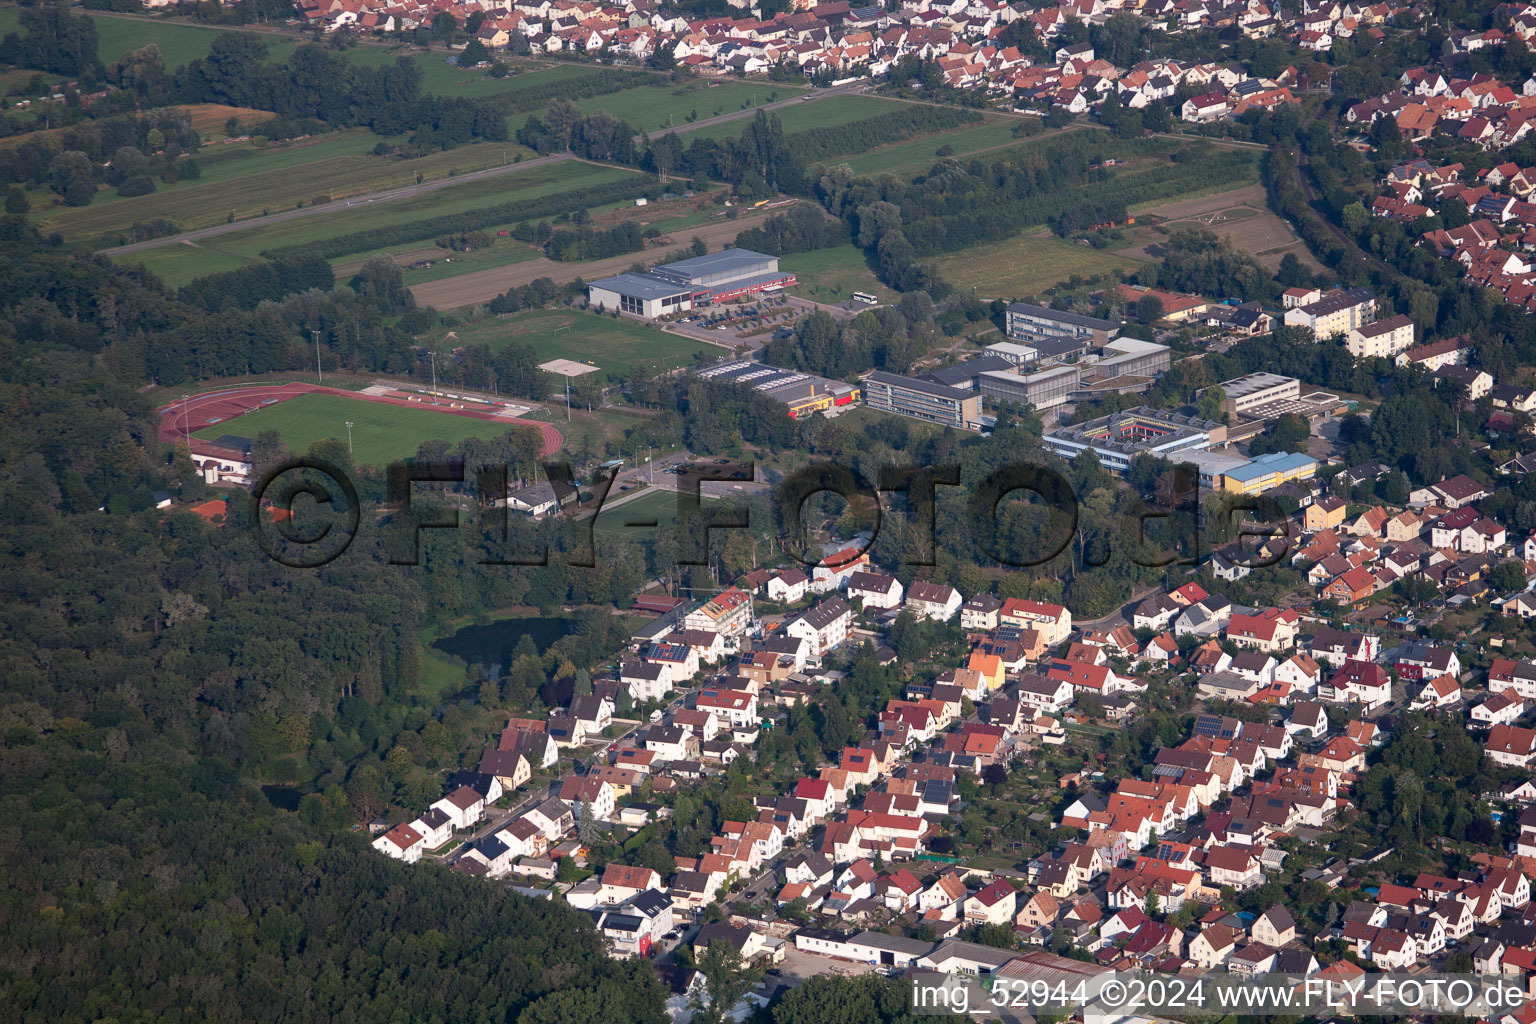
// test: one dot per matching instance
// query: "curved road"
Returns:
(432, 186)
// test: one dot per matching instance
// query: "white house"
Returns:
(933, 600)
(824, 627)
(646, 681)
(736, 706)
(463, 807)
(788, 585)
(402, 843)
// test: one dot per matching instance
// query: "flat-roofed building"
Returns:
(1044, 389)
(1256, 389)
(922, 400)
(1018, 355)
(640, 294)
(1026, 322)
(1123, 356)
(674, 287)
(1266, 472)
(1120, 365)
(964, 376)
(802, 393)
(1118, 438)
(1212, 466)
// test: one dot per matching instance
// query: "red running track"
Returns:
(178, 419)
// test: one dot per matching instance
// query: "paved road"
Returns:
(432, 186)
(590, 753)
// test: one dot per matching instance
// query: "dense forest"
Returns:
(158, 668)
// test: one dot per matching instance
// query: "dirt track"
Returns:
(484, 285)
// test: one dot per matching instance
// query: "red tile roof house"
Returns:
(994, 903)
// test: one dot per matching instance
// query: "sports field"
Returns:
(614, 345)
(380, 433)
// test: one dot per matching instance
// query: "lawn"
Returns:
(832, 275)
(917, 155)
(658, 505)
(440, 677)
(178, 264)
(799, 117)
(381, 433)
(612, 344)
(1026, 264)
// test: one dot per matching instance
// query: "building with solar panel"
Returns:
(674, 287)
(802, 393)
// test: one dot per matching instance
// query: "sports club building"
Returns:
(673, 287)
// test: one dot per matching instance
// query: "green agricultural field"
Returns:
(655, 108)
(178, 264)
(1027, 264)
(256, 180)
(380, 433)
(504, 253)
(178, 42)
(614, 345)
(832, 275)
(801, 116)
(917, 155)
(437, 76)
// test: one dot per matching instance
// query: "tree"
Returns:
(663, 56)
(1149, 308)
(474, 53)
(666, 154)
(73, 177)
(1355, 216)
(1208, 406)
(1292, 274)
(1000, 936)
(56, 40)
(727, 978)
(16, 201)
(586, 824)
(1508, 577)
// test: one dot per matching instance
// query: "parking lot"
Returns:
(799, 965)
(732, 324)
